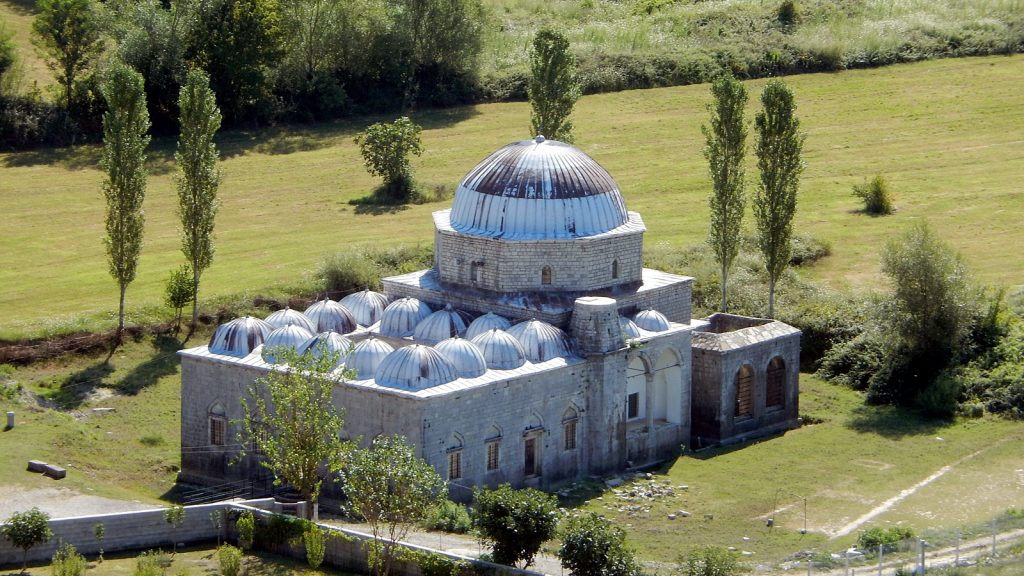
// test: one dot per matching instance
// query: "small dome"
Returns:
(464, 355)
(401, 317)
(500, 350)
(416, 367)
(541, 341)
(537, 189)
(488, 321)
(441, 325)
(329, 316)
(290, 337)
(651, 320)
(239, 337)
(366, 356)
(366, 306)
(289, 317)
(329, 342)
(629, 328)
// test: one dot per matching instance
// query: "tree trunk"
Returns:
(195, 298)
(771, 296)
(120, 316)
(725, 282)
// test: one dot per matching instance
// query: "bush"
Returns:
(592, 546)
(516, 522)
(386, 148)
(350, 271)
(229, 559)
(854, 363)
(67, 562)
(151, 563)
(876, 196)
(806, 249)
(449, 516)
(246, 526)
(709, 561)
(178, 290)
(315, 541)
(888, 538)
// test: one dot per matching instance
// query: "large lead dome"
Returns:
(537, 189)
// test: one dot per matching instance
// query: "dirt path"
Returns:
(63, 502)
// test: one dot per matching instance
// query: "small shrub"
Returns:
(151, 440)
(347, 272)
(806, 249)
(449, 516)
(178, 290)
(230, 560)
(151, 563)
(788, 13)
(876, 195)
(246, 526)
(67, 562)
(516, 522)
(431, 564)
(315, 540)
(592, 546)
(709, 561)
(888, 538)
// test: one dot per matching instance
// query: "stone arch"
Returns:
(775, 383)
(668, 387)
(455, 445)
(493, 433)
(744, 388)
(217, 424)
(545, 275)
(534, 421)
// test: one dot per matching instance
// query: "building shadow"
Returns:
(893, 422)
(74, 388)
(164, 362)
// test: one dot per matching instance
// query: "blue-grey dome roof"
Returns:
(537, 189)
(441, 325)
(500, 350)
(464, 355)
(290, 337)
(629, 328)
(415, 367)
(327, 342)
(366, 356)
(541, 341)
(288, 317)
(329, 316)
(488, 321)
(366, 306)
(651, 320)
(239, 337)
(401, 317)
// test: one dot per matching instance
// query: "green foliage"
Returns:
(99, 531)
(124, 157)
(391, 488)
(553, 88)
(592, 546)
(449, 516)
(26, 530)
(315, 541)
(300, 444)
(229, 559)
(174, 516)
(805, 249)
(386, 148)
(278, 530)
(67, 561)
(888, 538)
(778, 149)
(198, 177)
(432, 564)
(178, 292)
(876, 195)
(788, 13)
(151, 563)
(8, 52)
(725, 148)
(246, 526)
(995, 378)
(709, 561)
(515, 522)
(68, 34)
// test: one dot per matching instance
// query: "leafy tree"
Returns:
(315, 541)
(708, 561)
(26, 530)
(7, 50)
(553, 87)
(178, 292)
(290, 418)
(386, 148)
(68, 34)
(124, 156)
(391, 488)
(726, 146)
(515, 522)
(246, 526)
(198, 177)
(174, 516)
(592, 546)
(778, 148)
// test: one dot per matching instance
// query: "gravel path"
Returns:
(63, 502)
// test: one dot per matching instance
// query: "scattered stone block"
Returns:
(102, 410)
(683, 513)
(55, 472)
(36, 466)
(613, 482)
(671, 516)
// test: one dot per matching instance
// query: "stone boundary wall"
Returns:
(146, 529)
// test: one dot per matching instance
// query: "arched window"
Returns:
(545, 275)
(455, 457)
(493, 443)
(218, 425)
(569, 420)
(744, 392)
(775, 387)
(615, 268)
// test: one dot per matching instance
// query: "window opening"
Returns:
(744, 392)
(545, 275)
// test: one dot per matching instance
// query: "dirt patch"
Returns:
(63, 502)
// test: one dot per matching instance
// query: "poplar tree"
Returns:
(778, 148)
(198, 176)
(124, 155)
(726, 146)
(553, 88)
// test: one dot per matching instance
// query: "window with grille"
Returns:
(633, 406)
(775, 388)
(455, 465)
(218, 430)
(570, 434)
(493, 455)
(545, 275)
(744, 392)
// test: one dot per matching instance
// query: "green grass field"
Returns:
(943, 132)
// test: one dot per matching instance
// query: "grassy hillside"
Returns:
(941, 131)
(17, 16)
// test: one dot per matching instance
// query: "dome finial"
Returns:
(539, 139)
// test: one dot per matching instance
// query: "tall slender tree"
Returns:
(553, 87)
(778, 149)
(726, 146)
(68, 34)
(198, 176)
(125, 138)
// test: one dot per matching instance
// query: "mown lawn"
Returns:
(942, 132)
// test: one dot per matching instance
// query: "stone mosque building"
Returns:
(536, 350)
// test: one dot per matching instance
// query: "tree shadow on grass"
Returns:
(163, 363)
(893, 422)
(71, 391)
(159, 157)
